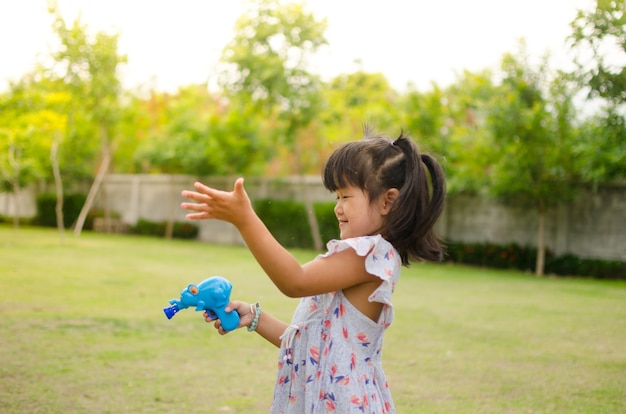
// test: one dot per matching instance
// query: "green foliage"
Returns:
(598, 30)
(601, 145)
(531, 135)
(353, 99)
(181, 230)
(30, 119)
(21, 220)
(286, 220)
(571, 265)
(266, 66)
(451, 124)
(511, 256)
(514, 256)
(270, 53)
(288, 223)
(46, 209)
(193, 132)
(600, 149)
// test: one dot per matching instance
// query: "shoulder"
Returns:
(363, 246)
(381, 258)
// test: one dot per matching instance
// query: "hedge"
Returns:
(46, 209)
(181, 230)
(513, 256)
(288, 223)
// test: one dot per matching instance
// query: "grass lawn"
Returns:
(82, 331)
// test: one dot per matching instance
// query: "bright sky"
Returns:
(171, 43)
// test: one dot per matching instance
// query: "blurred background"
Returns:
(522, 102)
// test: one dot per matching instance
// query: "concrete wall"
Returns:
(593, 225)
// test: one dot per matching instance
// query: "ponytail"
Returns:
(410, 223)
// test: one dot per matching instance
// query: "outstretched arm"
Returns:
(339, 271)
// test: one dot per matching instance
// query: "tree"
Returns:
(193, 132)
(88, 67)
(602, 32)
(356, 98)
(599, 40)
(450, 123)
(267, 65)
(531, 122)
(30, 115)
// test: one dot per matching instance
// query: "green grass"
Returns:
(82, 331)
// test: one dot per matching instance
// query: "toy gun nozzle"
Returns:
(170, 311)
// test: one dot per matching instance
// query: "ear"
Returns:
(387, 200)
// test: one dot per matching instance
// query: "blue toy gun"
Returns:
(211, 295)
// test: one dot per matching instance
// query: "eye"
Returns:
(193, 290)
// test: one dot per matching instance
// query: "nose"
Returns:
(338, 208)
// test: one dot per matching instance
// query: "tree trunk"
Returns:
(169, 226)
(541, 247)
(58, 185)
(16, 203)
(308, 204)
(310, 214)
(95, 187)
(15, 160)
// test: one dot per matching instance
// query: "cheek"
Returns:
(374, 215)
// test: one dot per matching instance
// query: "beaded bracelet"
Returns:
(256, 308)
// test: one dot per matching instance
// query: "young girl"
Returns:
(389, 197)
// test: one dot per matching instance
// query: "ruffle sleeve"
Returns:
(381, 259)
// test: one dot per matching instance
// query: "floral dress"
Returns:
(331, 354)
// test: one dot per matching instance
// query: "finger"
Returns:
(190, 206)
(206, 190)
(195, 207)
(193, 195)
(221, 330)
(233, 305)
(239, 185)
(198, 216)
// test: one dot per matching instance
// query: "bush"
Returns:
(185, 230)
(46, 209)
(21, 220)
(288, 223)
(181, 230)
(513, 256)
(509, 256)
(600, 269)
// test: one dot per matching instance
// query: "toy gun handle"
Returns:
(230, 320)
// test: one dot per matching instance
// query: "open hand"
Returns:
(230, 206)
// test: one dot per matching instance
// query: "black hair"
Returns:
(376, 164)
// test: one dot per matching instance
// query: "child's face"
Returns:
(356, 215)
